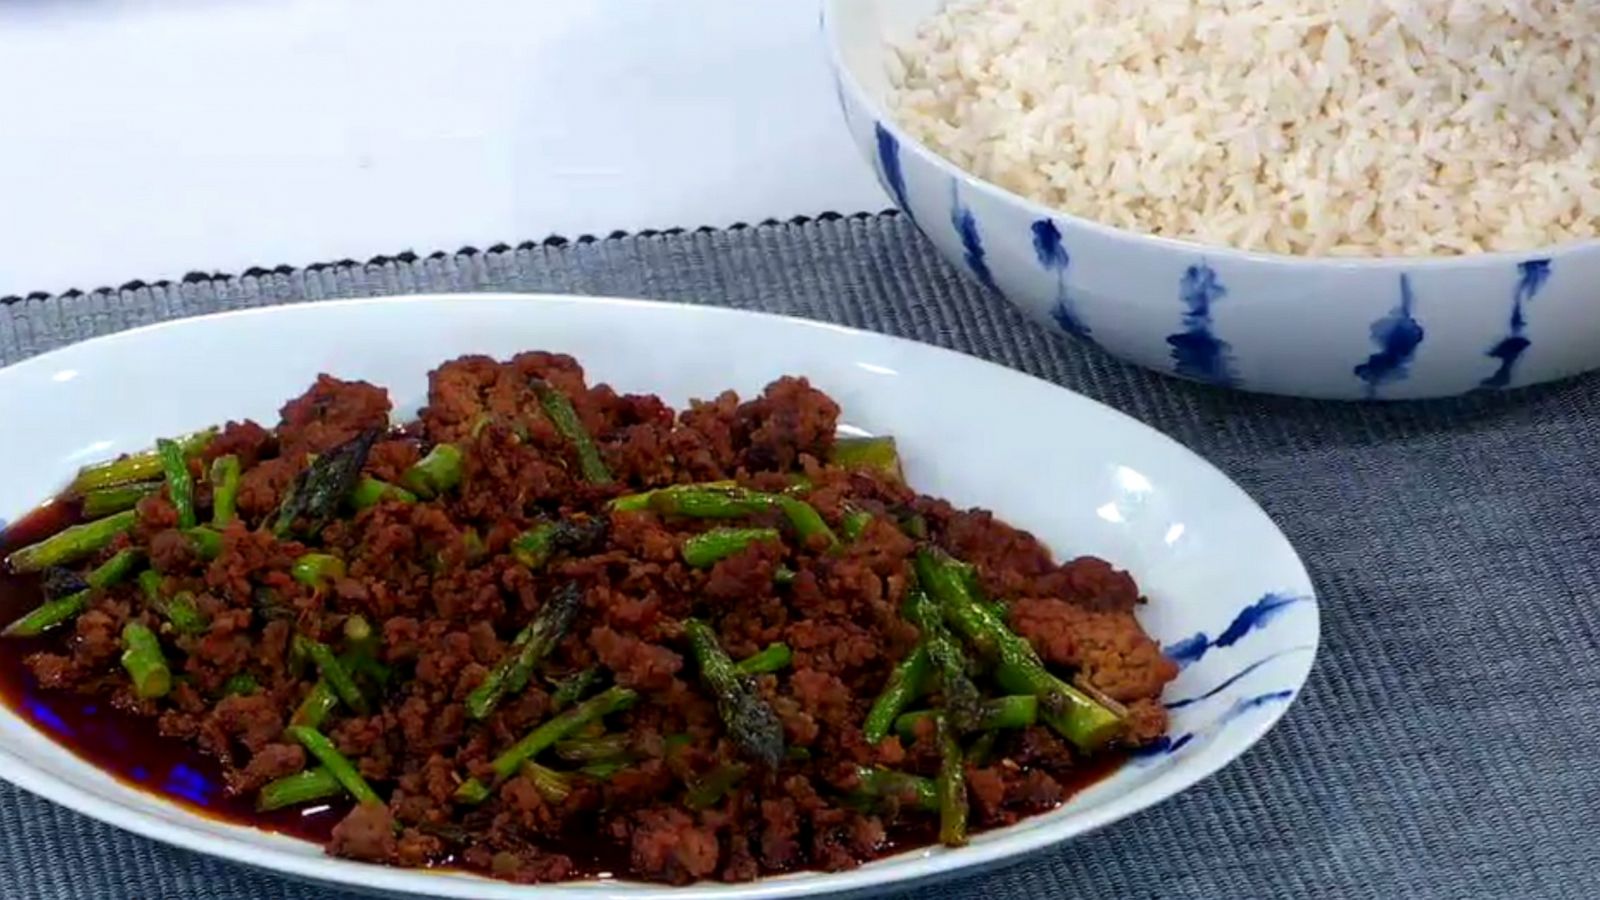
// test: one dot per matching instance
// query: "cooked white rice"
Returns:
(1315, 127)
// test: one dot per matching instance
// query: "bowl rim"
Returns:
(829, 22)
(904, 870)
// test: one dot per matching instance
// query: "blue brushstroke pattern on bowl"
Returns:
(1349, 329)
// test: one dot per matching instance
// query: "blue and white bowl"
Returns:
(1385, 328)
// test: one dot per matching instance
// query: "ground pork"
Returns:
(433, 612)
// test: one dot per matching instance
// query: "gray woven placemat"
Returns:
(1444, 747)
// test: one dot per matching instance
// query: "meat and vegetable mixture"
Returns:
(724, 641)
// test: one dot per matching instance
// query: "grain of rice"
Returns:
(1307, 127)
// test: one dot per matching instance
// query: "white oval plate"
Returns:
(1227, 593)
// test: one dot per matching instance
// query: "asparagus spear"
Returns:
(572, 689)
(875, 784)
(357, 630)
(875, 453)
(906, 682)
(150, 585)
(951, 786)
(1015, 711)
(598, 749)
(369, 492)
(224, 490)
(316, 706)
(180, 484)
(333, 672)
(242, 685)
(141, 657)
(472, 792)
(302, 787)
(103, 502)
(855, 524)
(962, 702)
(316, 493)
(72, 544)
(774, 658)
(316, 570)
(705, 549)
(318, 745)
(709, 790)
(207, 542)
(644, 501)
(511, 673)
(144, 466)
(534, 547)
(722, 500)
(59, 610)
(1075, 715)
(601, 771)
(435, 474)
(807, 522)
(553, 786)
(184, 615)
(115, 570)
(322, 699)
(48, 615)
(982, 747)
(750, 722)
(558, 407)
(179, 610)
(612, 700)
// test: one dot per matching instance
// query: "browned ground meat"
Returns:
(1109, 648)
(329, 414)
(246, 440)
(433, 600)
(271, 762)
(366, 833)
(669, 843)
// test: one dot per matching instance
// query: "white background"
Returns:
(150, 138)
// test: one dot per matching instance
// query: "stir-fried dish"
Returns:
(548, 631)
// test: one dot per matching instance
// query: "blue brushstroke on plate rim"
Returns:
(1190, 650)
(1167, 745)
(1233, 679)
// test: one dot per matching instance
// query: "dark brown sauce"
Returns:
(122, 744)
(130, 748)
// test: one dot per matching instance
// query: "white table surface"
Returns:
(151, 138)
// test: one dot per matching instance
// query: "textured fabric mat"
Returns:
(1444, 747)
